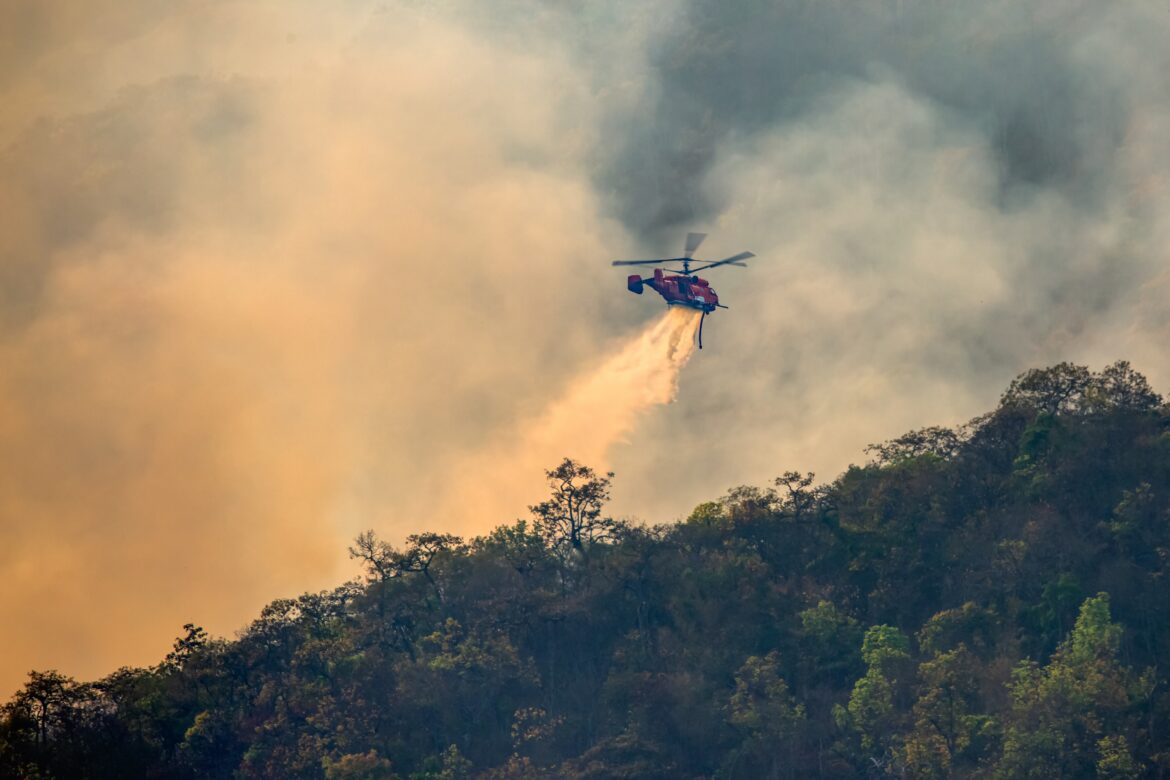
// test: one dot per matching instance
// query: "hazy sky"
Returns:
(275, 272)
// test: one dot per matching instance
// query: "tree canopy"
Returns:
(985, 601)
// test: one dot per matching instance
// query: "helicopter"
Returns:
(682, 287)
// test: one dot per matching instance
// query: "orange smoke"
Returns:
(598, 410)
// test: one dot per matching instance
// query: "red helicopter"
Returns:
(682, 287)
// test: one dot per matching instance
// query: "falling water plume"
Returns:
(597, 410)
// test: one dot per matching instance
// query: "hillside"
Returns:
(986, 601)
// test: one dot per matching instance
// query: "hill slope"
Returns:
(988, 601)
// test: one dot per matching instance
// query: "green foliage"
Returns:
(771, 719)
(186, 646)
(358, 766)
(1116, 761)
(1070, 389)
(1094, 637)
(1063, 712)
(934, 442)
(827, 625)
(769, 635)
(950, 733)
(709, 514)
(448, 765)
(872, 713)
(761, 703)
(883, 647)
(969, 624)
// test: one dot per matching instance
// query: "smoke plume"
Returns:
(596, 411)
(272, 273)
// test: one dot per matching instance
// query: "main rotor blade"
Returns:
(649, 262)
(693, 241)
(733, 260)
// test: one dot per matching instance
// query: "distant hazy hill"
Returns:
(988, 601)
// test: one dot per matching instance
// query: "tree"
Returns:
(379, 557)
(872, 712)
(521, 547)
(465, 687)
(571, 518)
(831, 642)
(762, 636)
(766, 711)
(948, 729)
(1068, 388)
(448, 765)
(935, 441)
(1067, 716)
(1119, 387)
(384, 562)
(1053, 390)
(186, 646)
(798, 500)
(1116, 761)
(358, 766)
(50, 703)
(48, 721)
(421, 552)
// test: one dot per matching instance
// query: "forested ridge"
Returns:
(985, 601)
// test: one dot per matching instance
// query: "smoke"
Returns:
(275, 272)
(940, 196)
(258, 262)
(1036, 81)
(597, 410)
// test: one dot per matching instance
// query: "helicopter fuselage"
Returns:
(677, 290)
(682, 287)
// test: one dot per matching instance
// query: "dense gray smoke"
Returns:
(1022, 76)
(941, 194)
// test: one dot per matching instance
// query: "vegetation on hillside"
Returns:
(987, 601)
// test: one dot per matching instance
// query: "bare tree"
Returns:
(798, 499)
(383, 562)
(378, 556)
(421, 552)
